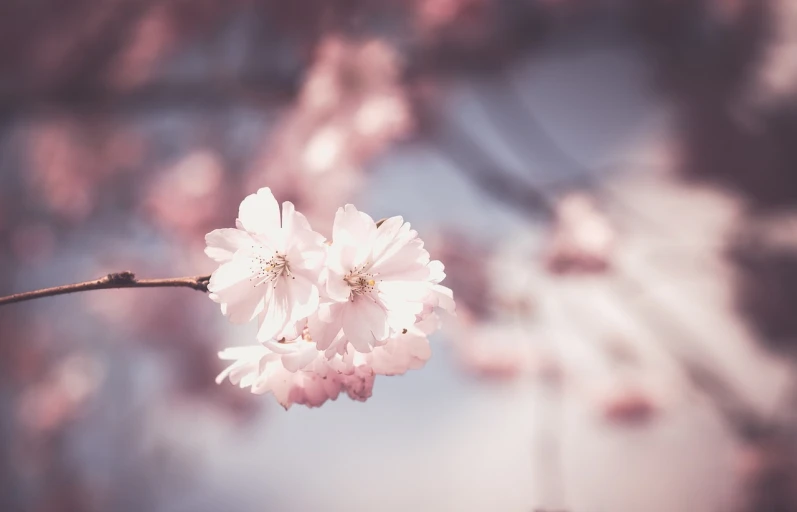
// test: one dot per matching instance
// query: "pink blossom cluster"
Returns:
(331, 314)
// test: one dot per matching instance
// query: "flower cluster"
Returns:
(331, 315)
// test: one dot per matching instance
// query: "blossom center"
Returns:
(270, 270)
(360, 281)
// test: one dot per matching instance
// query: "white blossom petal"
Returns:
(223, 243)
(231, 286)
(364, 322)
(275, 316)
(326, 324)
(259, 213)
(303, 297)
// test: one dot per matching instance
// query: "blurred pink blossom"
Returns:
(62, 169)
(150, 39)
(630, 406)
(350, 108)
(495, 351)
(72, 161)
(436, 14)
(187, 196)
(583, 239)
(47, 405)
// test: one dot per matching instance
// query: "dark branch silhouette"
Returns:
(116, 280)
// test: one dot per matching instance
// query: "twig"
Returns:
(115, 280)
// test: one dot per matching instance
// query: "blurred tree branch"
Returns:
(256, 91)
(471, 158)
(115, 280)
(468, 156)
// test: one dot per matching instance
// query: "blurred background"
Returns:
(610, 184)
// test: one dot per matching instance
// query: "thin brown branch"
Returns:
(116, 280)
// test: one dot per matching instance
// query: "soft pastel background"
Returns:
(611, 185)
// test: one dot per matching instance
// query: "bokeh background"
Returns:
(610, 183)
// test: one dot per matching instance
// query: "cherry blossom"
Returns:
(377, 278)
(377, 302)
(406, 351)
(438, 296)
(270, 266)
(260, 369)
(297, 372)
